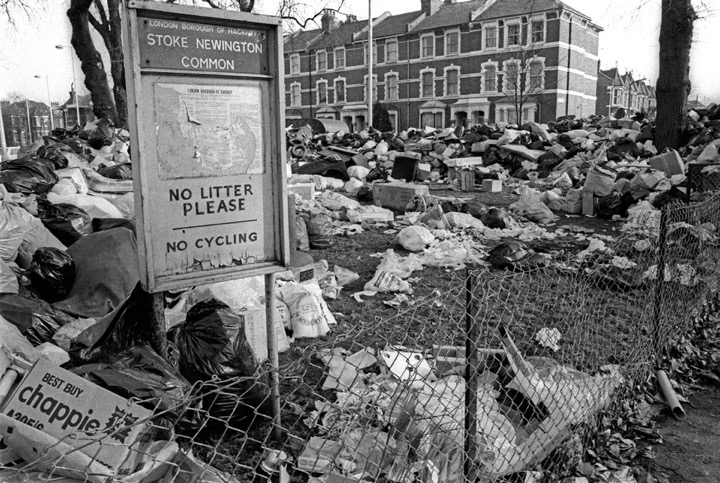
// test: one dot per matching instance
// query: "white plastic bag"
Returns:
(463, 220)
(415, 238)
(336, 201)
(95, 206)
(358, 172)
(307, 316)
(14, 226)
(600, 181)
(8, 279)
(353, 185)
(530, 206)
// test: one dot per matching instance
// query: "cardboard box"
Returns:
(588, 203)
(396, 196)
(670, 163)
(305, 191)
(423, 171)
(460, 162)
(492, 185)
(64, 405)
(404, 168)
(467, 181)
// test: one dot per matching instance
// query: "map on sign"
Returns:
(207, 131)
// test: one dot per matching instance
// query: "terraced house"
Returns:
(448, 63)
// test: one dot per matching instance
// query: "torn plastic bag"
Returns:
(37, 320)
(319, 225)
(55, 153)
(140, 373)
(103, 224)
(95, 206)
(52, 273)
(494, 218)
(514, 254)
(37, 237)
(119, 171)
(28, 175)
(67, 222)
(15, 223)
(301, 233)
(415, 238)
(309, 315)
(212, 347)
(530, 206)
(107, 271)
(124, 327)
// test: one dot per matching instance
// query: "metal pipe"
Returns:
(670, 396)
(471, 380)
(273, 357)
(370, 66)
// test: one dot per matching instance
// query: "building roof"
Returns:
(339, 35)
(391, 26)
(451, 15)
(300, 40)
(508, 8)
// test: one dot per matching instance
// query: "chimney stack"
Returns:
(429, 7)
(328, 20)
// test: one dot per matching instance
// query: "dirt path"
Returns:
(691, 448)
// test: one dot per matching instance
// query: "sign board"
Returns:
(206, 104)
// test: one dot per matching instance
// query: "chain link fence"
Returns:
(501, 372)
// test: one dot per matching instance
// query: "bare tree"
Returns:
(523, 82)
(15, 96)
(673, 85)
(298, 14)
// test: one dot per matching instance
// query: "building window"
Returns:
(432, 119)
(374, 88)
(428, 84)
(391, 51)
(616, 96)
(340, 58)
(321, 60)
(452, 43)
(391, 86)
(490, 37)
(375, 53)
(339, 90)
(513, 33)
(294, 63)
(452, 82)
(537, 31)
(428, 46)
(322, 92)
(536, 75)
(490, 76)
(295, 99)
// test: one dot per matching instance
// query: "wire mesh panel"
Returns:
(503, 370)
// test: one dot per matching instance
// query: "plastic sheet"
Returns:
(119, 171)
(14, 226)
(52, 273)
(28, 175)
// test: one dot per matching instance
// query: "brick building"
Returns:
(448, 63)
(615, 91)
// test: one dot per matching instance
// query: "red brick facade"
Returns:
(450, 63)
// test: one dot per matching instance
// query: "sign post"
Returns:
(206, 105)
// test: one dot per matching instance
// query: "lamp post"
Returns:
(370, 66)
(47, 86)
(74, 89)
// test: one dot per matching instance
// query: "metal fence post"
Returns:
(471, 380)
(657, 302)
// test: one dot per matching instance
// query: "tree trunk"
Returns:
(673, 86)
(117, 66)
(91, 61)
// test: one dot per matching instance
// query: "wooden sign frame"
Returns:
(206, 108)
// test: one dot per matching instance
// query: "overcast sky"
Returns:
(630, 39)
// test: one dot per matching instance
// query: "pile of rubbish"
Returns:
(400, 414)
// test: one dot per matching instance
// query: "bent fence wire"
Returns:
(502, 372)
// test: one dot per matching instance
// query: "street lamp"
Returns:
(47, 86)
(74, 90)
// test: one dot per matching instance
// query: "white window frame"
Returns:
(294, 71)
(365, 53)
(447, 34)
(299, 94)
(393, 40)
(422, 46)
(542, 21)
(339, 49)
(344, 89)
(317, 60)
(434, 111)
(541, 61)
(519, 71)
(389, 75)
(485, 29)
(445, 83)
(483, 70)
(375, 86)
(317, 92)
(430, 71)
(507, 34)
